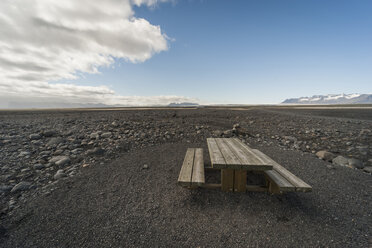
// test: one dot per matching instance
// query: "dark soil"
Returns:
(118, 203)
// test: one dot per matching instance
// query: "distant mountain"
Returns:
(182, 104)
(332, 99)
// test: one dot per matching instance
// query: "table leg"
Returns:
(240, 180)
(227, 180)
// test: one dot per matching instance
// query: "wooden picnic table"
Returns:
(235, 159)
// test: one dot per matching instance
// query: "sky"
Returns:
(154, 52)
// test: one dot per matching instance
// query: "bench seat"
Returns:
(192, 170)
(280, 178)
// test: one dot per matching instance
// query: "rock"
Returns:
(355, 163)
(77, 150)
(63, 161)
(38, 166)
(106, 135)
(21, 187)
(363, 149)
(49, 133)
(35, 136)
(325, 155)
(5, 188)
(24, 153)
(368, 169)
(340, 160)
(96, 151)
(114, 124)
(145, 166)
(217, 133)
(55, 141)
(58, 158)
(59, 175)
(94, 135)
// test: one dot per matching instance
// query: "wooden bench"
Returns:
(279, 179)
(192, 170)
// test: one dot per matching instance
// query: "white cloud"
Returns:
(48, 40)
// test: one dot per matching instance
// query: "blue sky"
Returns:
(249, 52)
(252, 51)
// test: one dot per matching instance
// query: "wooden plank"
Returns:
(184, 178)
(232, 161)
(198, 177)
(227, 180)
(217, 160)
(279, 181)
(240, 180)
(294, 180)
(249, 160)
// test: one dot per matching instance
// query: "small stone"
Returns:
(145, 166)
(85, 165)
(55, 141)
(56, 158)
(5, 188)
(368, 169)
(35, 136)
(38, 166)
(59, 175)
(355, 163)
(21, 187)
(94, 135)
(340, 160)
(106, 135)
(325, 155)
(24, 153)
(49, 133)
(96, 151)
(63, 161)
(114, 124)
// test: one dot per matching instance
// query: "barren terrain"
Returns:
(107, 178)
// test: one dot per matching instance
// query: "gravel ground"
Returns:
(127, 195)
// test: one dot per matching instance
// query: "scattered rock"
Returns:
(94, 135)
(35, 136)
(49, 133)
(96, 151)
(38, 166)
(60, 173)
(21, 187)
(340, 160)
(325, 155)
(5, 188)
(368, 169)
(57, 158)
(355, 163)
(24, 154)
(55, 141)
(63, 161)
(106, 135)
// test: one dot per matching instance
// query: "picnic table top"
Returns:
(231, 153)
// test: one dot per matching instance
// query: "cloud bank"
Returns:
(46, 40)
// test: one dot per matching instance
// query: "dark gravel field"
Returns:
(79, 178)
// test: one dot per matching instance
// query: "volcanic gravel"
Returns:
(107, 178)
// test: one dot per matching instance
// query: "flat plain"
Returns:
(108, 178)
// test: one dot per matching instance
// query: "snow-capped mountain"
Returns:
(332, 99)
